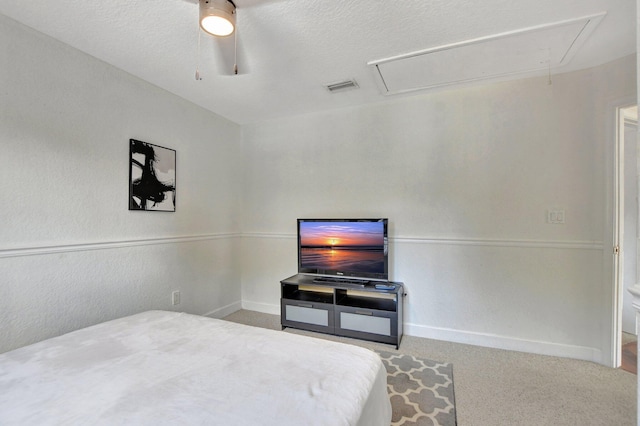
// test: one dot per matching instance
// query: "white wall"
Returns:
(466, 178)
(71, 254)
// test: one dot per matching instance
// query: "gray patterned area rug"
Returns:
(421, 390)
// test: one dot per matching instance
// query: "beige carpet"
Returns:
(495, 387)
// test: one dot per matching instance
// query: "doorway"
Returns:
(628, 225)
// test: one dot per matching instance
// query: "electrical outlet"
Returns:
(175, 298)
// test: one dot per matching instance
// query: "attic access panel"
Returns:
(515, 52)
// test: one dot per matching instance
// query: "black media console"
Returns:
(369, 310)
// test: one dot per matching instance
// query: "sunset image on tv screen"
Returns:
(342, 246)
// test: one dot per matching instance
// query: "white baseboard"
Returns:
(465, 337)
(265, 308)
(225, 310)
(504, 342)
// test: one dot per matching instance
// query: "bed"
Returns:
(161, 367)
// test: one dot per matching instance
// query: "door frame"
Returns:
(615, 257)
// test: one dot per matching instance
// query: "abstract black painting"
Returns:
(152, 177)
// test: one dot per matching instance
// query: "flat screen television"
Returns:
(355, 248)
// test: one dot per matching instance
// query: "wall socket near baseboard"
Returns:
(555, 216)
(175, 297)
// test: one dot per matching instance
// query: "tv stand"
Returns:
(338, 306)
(340, 280)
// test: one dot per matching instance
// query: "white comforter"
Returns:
(161, 367)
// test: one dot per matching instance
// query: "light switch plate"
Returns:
(555, 216)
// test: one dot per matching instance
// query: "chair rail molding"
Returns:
(104, 245)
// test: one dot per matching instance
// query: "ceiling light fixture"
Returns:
(218, 17)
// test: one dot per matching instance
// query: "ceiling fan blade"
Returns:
(229, 55)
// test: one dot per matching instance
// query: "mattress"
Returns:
(161, 367)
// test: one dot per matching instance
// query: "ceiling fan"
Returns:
(217, 21)
(217, 18)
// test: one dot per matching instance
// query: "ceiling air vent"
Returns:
(342, 85)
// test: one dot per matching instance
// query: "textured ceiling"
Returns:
(288, 50)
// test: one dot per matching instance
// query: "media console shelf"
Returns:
(348, 308)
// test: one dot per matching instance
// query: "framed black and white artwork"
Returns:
(152, 177)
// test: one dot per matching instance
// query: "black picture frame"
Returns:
(152, 177)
